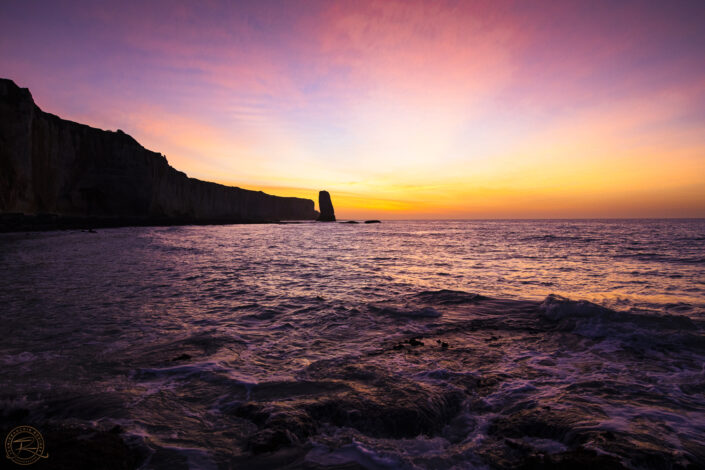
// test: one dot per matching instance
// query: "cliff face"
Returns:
(50, 165)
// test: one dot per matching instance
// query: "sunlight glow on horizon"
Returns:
(399, 109)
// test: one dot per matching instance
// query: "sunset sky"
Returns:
(399, 109)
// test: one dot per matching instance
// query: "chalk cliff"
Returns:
(52, 166)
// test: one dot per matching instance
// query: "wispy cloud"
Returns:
(473, 108)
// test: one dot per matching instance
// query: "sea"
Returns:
(480, 344)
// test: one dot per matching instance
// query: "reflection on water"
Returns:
(322, 345)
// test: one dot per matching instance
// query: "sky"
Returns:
(400, 109)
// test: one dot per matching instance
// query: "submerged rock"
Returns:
(325, 205)
(183, 357)
(365, 398)
(412, 342)
(443, 344)
(448, 297)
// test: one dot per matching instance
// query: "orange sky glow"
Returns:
(399, 109)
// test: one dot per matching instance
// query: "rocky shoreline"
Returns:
(18, 222)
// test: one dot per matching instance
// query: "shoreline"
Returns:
(13, 223)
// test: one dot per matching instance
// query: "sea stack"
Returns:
(326, 207)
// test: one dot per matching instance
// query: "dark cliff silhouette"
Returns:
(326, 207)
(54, 170)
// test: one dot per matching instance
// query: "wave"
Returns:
(558, 238)
(448, 297)
(659, 257)
(411, 312)
(591, 319)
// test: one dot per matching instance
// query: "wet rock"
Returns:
(412, 343)
(252, 412)
(277, 426)
(381, 404)
(350, 222)
(563, 426)
(373, 222)
(395, 414)
(367, 399)
(183, 357)
(268, 440)
(326, 207)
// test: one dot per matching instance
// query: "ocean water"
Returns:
(429, 344)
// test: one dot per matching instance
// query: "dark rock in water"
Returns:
(183, 357)
(442, 344)
(277, 427)
(448, 297)
(373, 222)
(413, 342)
(268, 440)
(326, 207)
(365, 398)
(350, 222)
(55, 173)
(393, 408)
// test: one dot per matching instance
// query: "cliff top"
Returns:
(10, 91)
